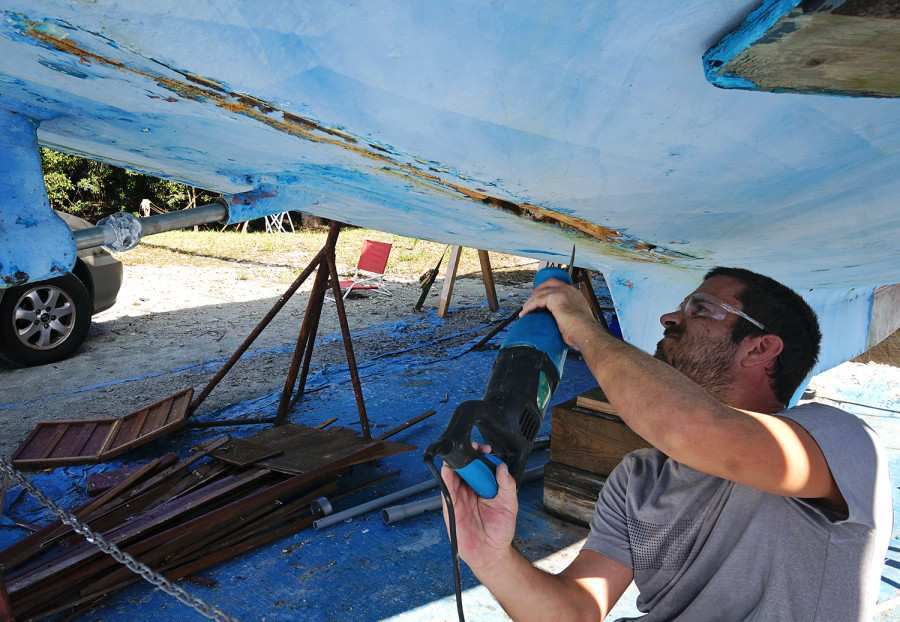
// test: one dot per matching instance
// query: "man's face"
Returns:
(701, 348)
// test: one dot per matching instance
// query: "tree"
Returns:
(92, 190)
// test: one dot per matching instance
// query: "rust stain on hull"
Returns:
(200, 89)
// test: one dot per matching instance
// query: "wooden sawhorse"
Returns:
(486, 275)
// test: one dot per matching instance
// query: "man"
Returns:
(744, 510)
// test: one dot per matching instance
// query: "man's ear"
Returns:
(762, 350)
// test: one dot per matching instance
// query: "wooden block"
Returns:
(595, 399)
(589, 440)
(571, 493)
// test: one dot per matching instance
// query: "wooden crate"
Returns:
(586, 444)
(590, 440)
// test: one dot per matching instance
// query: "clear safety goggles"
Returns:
(705, 305)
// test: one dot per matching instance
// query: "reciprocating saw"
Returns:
(525, 374)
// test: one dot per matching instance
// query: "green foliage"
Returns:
(93, 189)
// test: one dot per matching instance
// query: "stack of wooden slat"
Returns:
(587, 441)
(180, 516)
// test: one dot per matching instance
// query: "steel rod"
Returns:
(315, 316)
(151, 225)
(506, 322)
(403, 426)
(309, 324)
(279, 304)
(348, 345)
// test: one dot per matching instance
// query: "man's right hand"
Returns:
(484, 527)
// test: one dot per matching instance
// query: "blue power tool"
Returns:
(526, 372)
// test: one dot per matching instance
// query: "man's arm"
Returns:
(682, 420)
(586, 590)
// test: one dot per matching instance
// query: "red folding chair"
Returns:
(369, 273)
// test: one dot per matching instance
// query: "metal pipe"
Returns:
(397, 513)
(105, 233)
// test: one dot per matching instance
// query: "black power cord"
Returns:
(454, 545)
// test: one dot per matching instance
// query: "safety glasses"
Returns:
(704, 305)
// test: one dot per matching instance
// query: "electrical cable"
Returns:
(451, 520)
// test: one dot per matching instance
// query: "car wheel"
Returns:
(44, 322)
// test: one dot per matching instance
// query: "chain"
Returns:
(205, 609)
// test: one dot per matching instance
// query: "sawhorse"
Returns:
(450, 278)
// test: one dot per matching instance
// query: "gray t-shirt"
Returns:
(703, 548)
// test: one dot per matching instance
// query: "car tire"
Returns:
(44, 322)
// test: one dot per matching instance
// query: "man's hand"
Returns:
(484, 527)
(573, 316)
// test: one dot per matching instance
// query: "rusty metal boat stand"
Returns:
(326, 278)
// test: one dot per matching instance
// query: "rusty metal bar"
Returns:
(348, 345)
(309, 325)
(315, 313)
(256, 331)
(497, 329)
(403, 426)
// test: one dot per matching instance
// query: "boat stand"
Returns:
(326, 278)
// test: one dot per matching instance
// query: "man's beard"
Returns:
(708, 364)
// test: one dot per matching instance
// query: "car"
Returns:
(47, 321)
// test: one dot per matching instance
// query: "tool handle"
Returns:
(481, 475)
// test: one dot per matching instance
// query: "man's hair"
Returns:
(785, 314)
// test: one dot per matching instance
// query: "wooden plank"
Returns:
(595, 399)
(23, 550)
(128, 430)
(156, 416)
(487, 276)
(61, 443)
(243, 452)
(839, 48)
(586, 440)
(449, 280)
(571, 493)
(181, 403)
(84, 437)
(53, 440)
(308, 448)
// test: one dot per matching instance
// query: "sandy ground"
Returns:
(170, 319)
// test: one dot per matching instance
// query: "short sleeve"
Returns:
(609, 526)
(853, 451)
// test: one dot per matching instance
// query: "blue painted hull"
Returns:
(514, 127)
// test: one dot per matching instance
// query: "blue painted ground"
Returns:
(363, 569)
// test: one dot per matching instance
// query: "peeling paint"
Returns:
(200, 89)
(17, 278)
